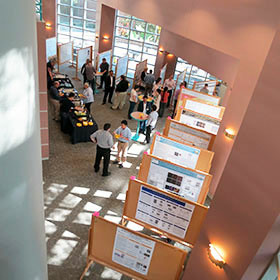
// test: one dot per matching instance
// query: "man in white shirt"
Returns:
(88, 93)
(170, 84)
(151, 123)
(205, 89)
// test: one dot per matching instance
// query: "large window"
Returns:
(193, 73)
(137, 38)
(76, 21)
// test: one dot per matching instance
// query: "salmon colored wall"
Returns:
(49, 15)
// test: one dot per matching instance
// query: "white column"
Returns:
(22, 235)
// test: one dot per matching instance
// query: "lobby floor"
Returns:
(72, 192)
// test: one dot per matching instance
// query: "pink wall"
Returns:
(49, 15)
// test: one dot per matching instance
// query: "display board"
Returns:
(121, 67)
(180, 78)
(211, 86)
(65, 53)
(162, 73)
(132, 253)
(173, 216)
(100, 56)
(82, 55)
(200, 107)
(51, 48)
(138, 71)
(199, 121)
(185, 182)
(188, 135)
(182, 154)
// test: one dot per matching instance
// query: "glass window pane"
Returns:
(64, 10)
(123, 14)
(136, 35)
(123, 22)
(91, 4)
(63, 38)
(132, 64)
(90, 25)
(152, 39)
(130, 73)
(88, 43)
(150, 49)
(134, 55)
(151, 58)
(151, 67)
(122, 32)
(89, 35)
(151, 28)
(77, 32)
(120, 52)
(136, 46)
(115, 60)
(63, 29)
(78, 43)
(121, 42)
(91, 15)
(78, 12)
(64, 20)
(138, 25)
(198, 72)
(78, 3)
(77, 22)
(210, 77)
(67, 2)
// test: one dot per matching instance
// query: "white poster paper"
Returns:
(176, 152)
(83, 55)
(107, 56)
(175, 179)
(202, 108)
(133, 251)
(162, 73)
(65, 53)
(51, 48)
(204, 97)
(200, 122)
(180, 78)
(211, 86)
(122, 66)
(164, 212)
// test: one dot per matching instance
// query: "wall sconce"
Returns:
(229, 133)
(48, 25)
(106, 37)
(215, 256)
(161, 50)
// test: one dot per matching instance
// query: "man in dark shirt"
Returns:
(109, 87)
(67, 104)
(104, 68)
(144, 107)
(54, 99)
(121, 93)
(50, 68)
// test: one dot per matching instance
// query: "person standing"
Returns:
(50, 75)
(104, 141)
(205, 89)
(156, 86)
(163, 101)
(176, 95)
(88, 93)
(149, 81)
(151, 123)
(121, 93)
(104, 68)
(157, 98)
(170, 84)
(83, 70)
(55, 100)
(144, 107)
(133, 100)
(123, 135)
(90, 75)
(142, 81)
(110, 82)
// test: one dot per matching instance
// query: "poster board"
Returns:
(188, 135)
(51, 48)
(100, 56)
(121, 67)
(146, 205)
(138, 71)
(211, 86)
(182, 154)
(162, 73)
(105, 238)
(65, 53)
(82, 55)
(200, 107)
(185, 182)
(181, 78)
(199, 121)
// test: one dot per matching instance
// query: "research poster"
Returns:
(188, 136)
(107, 56)
(65, 52)
(200, 122)
(211, 86)
(51, 46)
(204, 97)
(133, 251)
(83, 55)
(180, 78)
(175, 179)
(122, 66)
(164, 212)
(162, 73)
(138, 71)
(202, 108)
(175, 152)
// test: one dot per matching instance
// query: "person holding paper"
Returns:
(170, 84)
(104, 68)
(121, 93)
(123, 135)
(151, 123)
(205, 89)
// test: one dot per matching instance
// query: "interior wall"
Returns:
(49, 15)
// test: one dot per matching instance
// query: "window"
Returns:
(136, 38)
(193, 73)
(76, 21)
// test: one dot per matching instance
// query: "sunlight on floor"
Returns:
(80, 190)
(83, 218)
(105, 194)
(68, 234)
(52, 192)
(59, 215)
(91, 207)
(50, 227)
(70, 201)
(110, 274)
(121, 196)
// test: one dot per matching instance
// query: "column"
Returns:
(22, 236)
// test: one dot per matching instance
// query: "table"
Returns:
(139, 117)
(150, 98)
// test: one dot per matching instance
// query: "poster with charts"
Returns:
(175, 152)
(200, 122)
(175, 179)
(122, 66)
(83, 55)
(164, 212)
(133, 251)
